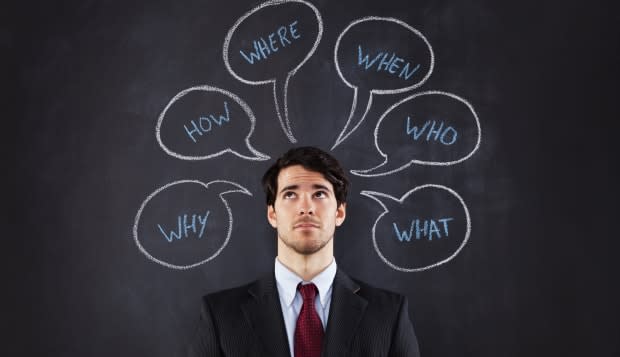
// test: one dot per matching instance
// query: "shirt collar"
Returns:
(287, 281)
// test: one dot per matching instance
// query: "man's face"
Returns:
(306, 212)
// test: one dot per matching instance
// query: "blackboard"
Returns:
(126, 117)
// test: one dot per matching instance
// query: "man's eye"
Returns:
(289, 194)
(320, 194)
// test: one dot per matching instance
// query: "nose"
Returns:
(306, 205)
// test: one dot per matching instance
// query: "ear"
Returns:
(341, 214)
(271, 216)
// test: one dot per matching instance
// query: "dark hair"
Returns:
(312, 159)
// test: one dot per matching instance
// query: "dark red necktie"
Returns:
(309, 329)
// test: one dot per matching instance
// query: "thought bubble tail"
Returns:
(247, 152)
(385, 168)
(225, 187)
(386, 201)
(357, 114)
(280, 89)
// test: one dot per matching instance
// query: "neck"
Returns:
(306, 266)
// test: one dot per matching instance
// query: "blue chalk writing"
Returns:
(186, 224)
(205, 124)
(426, 228)
(386, 62)
(446, 136)
(263, 48)
(365, 60)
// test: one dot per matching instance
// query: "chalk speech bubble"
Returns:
(427, 128)
(269, 44)
(200, 120)
(418, 233)
(379, 55)
(185, 223)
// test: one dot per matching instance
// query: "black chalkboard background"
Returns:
(86, 84)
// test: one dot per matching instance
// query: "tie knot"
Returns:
(308, 291)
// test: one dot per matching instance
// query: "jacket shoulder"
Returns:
(236, 295)
(225, 303)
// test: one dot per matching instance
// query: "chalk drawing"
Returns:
(235, 187)
(356, 116)
(378, 196)
(263, 49)
(205, 123)
(441, 132)
(390, 168)
(255, 154)
(424, 229)
(366, 96)
(280, 90)
(183, 229)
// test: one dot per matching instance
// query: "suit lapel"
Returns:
(265, 316)
(345, 312)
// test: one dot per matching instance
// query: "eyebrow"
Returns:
(315, 186)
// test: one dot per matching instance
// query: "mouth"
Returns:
(306, 225)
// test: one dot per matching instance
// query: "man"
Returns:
(307, 307)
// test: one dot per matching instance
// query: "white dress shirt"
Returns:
(291, 300)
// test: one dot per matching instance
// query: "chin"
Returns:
(306, 246)
(307, 250)
(304, 242)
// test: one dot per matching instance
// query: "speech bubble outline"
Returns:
(240, 189)
(344, 134)
(374, 195)
(365, 173)
(206, 88)
(284, 120)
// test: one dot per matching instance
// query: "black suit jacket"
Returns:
(247, 321)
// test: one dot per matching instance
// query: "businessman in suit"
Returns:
(307, 306)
